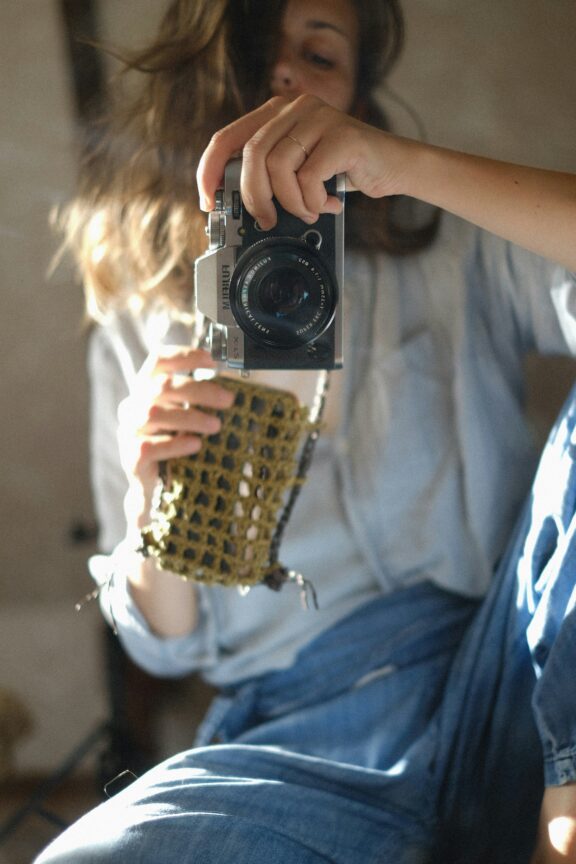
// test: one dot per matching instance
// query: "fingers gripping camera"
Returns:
(273, 298)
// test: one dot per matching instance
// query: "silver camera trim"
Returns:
(214, 269)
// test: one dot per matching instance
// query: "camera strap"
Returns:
(278, 574)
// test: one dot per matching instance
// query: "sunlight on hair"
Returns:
(95, 237)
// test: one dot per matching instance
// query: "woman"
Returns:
(377, 728)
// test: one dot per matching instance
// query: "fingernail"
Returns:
(213, 425)
(310, 218)
(264, 224)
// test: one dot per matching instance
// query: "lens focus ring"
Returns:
(282, 294)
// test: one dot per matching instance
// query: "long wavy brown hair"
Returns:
(134, 226)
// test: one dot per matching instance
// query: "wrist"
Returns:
(423, 177)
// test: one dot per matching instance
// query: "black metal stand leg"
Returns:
(126, 750)
(36, 801)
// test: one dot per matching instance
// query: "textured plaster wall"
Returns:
(48, 654)
(495, 77)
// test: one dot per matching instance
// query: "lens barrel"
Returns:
(282, 294)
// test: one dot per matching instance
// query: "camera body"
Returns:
(273, 298)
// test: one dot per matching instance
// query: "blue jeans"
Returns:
(422, 728)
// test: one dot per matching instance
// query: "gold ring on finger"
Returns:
(299, 143)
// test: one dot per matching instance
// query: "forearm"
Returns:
(167, 602)
(531, 207)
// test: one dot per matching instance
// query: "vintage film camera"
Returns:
(273, 298)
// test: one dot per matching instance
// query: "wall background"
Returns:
(495, 77)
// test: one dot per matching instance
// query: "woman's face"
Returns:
(318, 52)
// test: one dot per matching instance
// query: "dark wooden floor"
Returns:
(34, 831)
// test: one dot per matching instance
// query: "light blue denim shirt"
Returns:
(421, 481)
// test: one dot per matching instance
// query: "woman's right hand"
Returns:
(166, 415)
(291, 147)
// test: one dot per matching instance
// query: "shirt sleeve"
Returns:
(109, 373)
(162, 657)
(531, 302)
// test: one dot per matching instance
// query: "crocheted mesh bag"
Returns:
(221, 512)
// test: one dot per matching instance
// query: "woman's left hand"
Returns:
(290, 148)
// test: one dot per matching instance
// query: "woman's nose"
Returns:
(284, 80)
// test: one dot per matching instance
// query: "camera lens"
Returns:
(282, 294)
